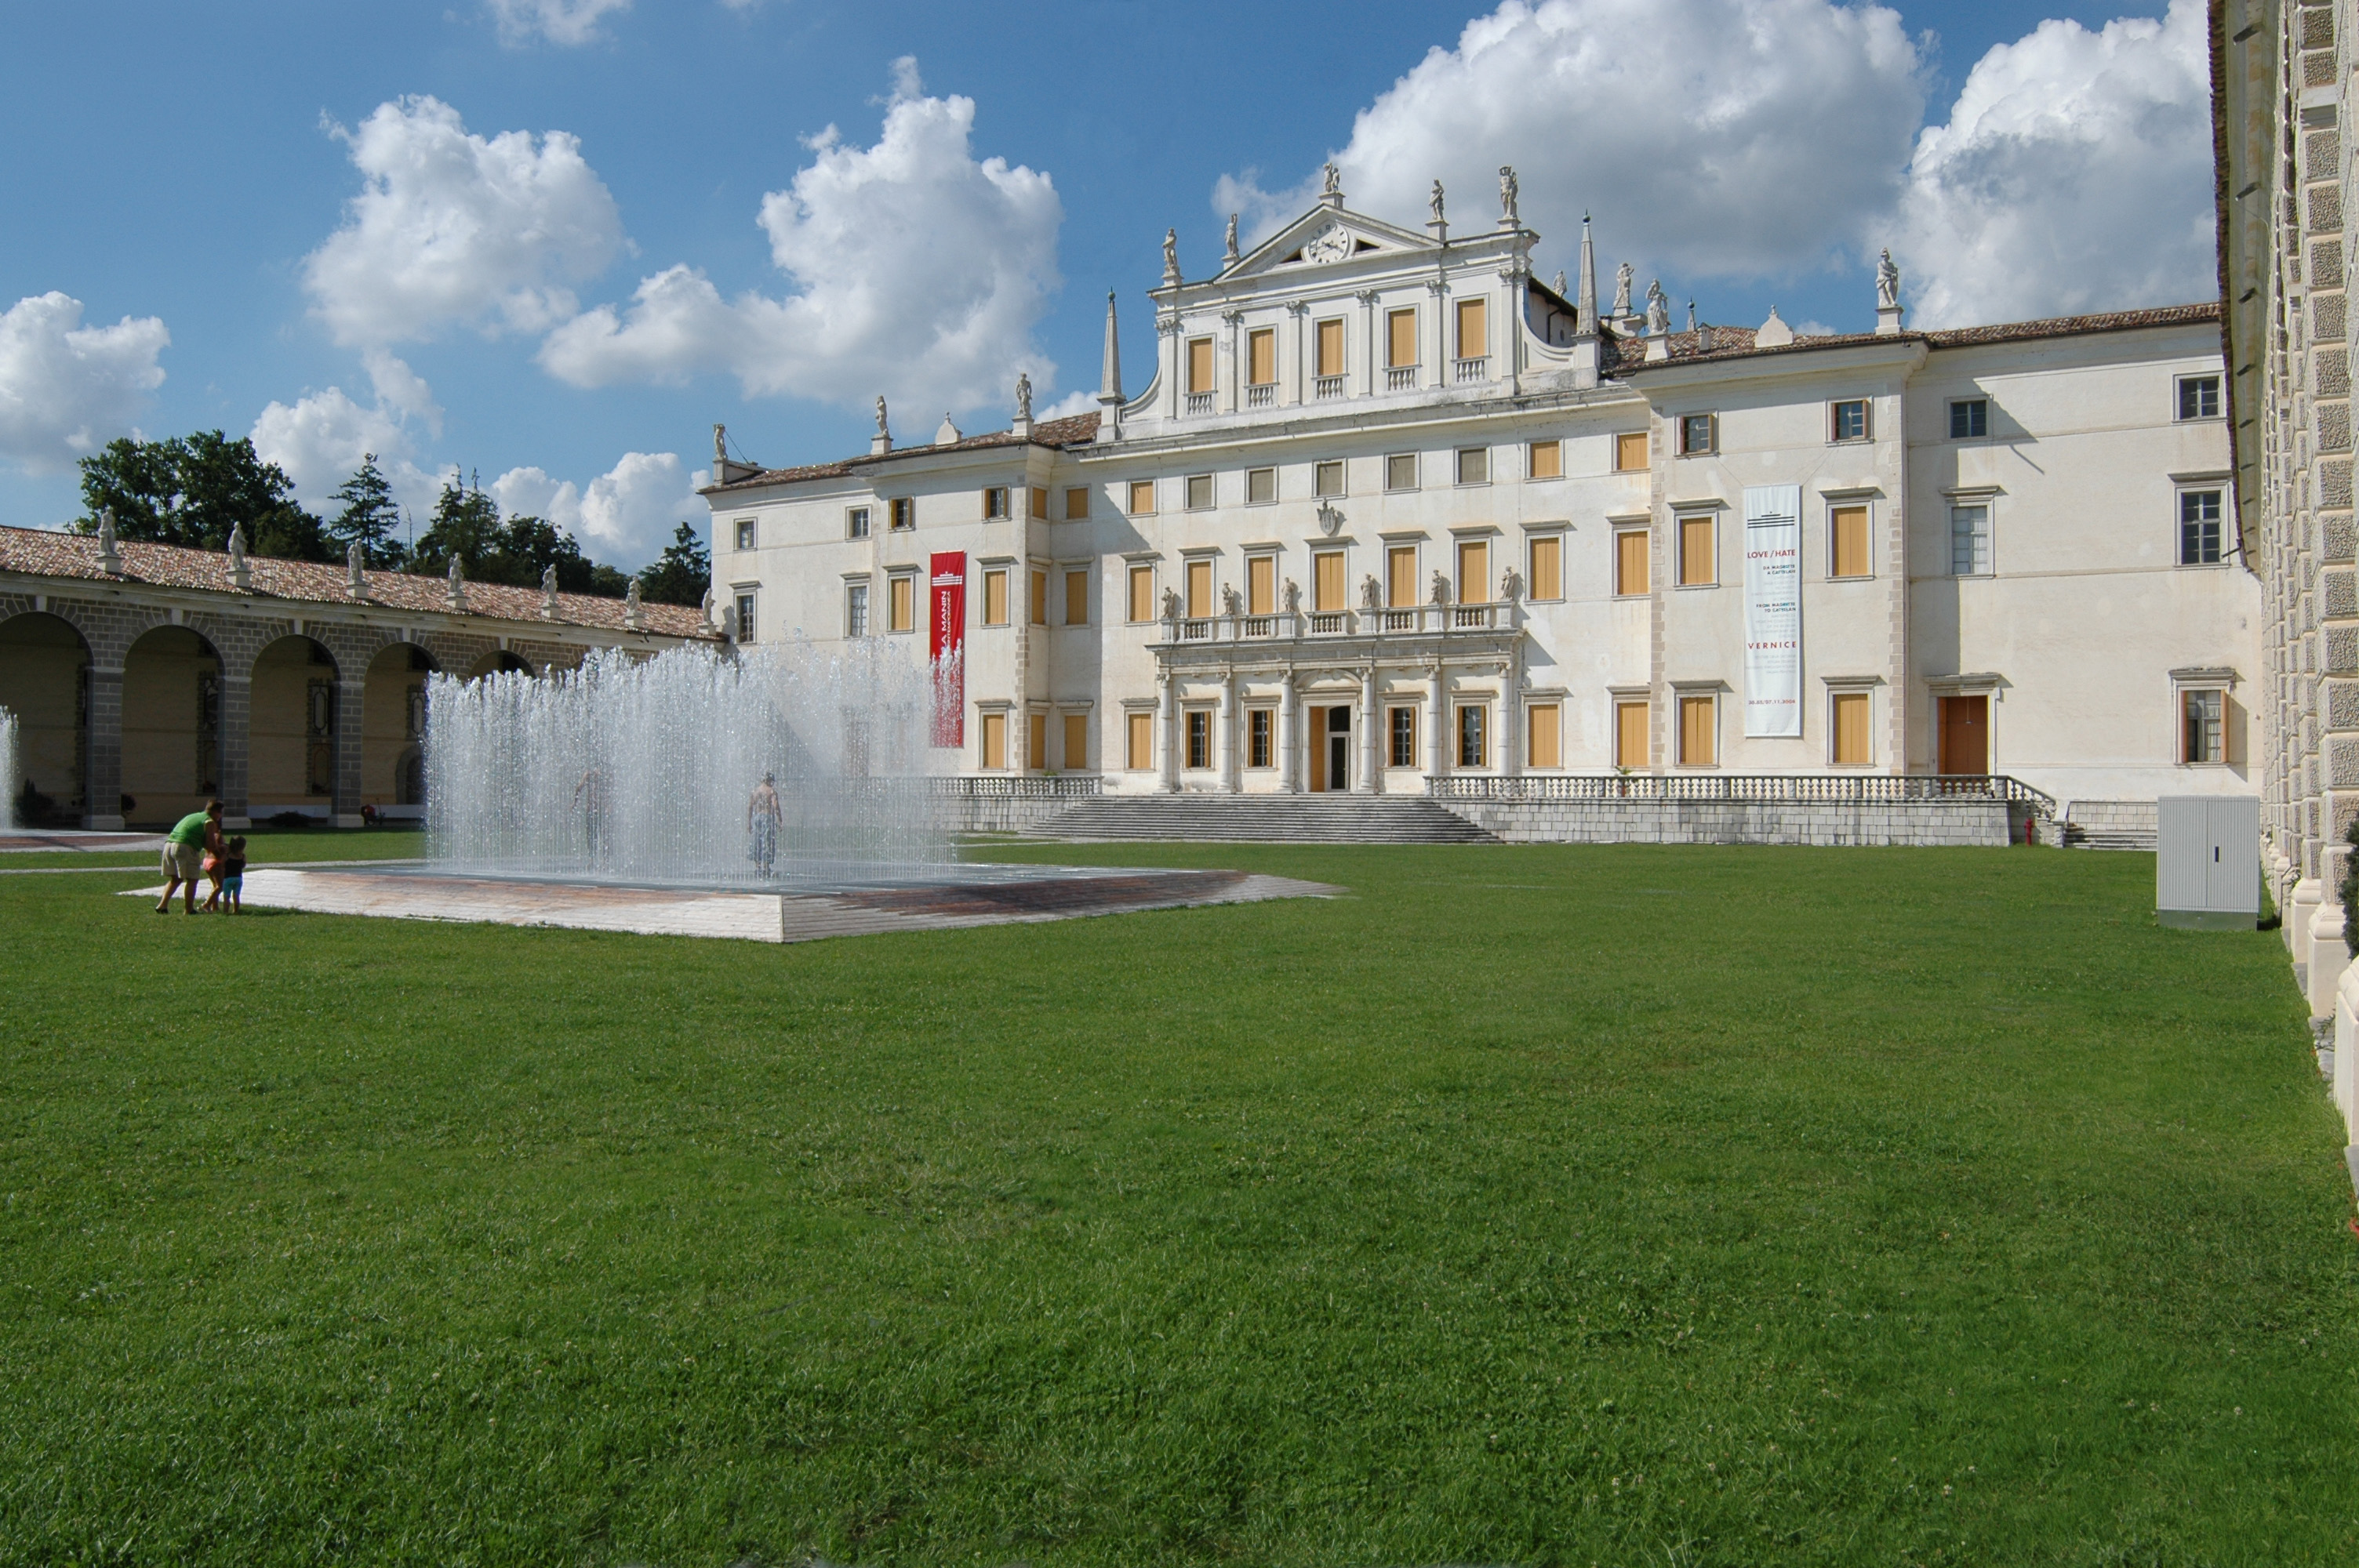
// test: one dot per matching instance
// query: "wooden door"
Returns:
(1965, 734)
(1318, 749)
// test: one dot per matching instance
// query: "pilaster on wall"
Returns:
(2323, 451)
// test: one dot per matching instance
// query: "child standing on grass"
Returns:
(229, 880)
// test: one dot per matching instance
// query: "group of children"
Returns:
(195, 847)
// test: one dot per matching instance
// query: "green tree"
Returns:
(466, 524)
(369, 515)
(193, 489)
(681, 574)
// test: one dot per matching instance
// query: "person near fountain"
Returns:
(761, 814)
(590, 797)
(191, 839)
(228, 896)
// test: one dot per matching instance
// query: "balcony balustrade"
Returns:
(1329, 387)
(1262, 396)
(1200, 403)
(1402, 620)
(1400, 378)
(1466, 372)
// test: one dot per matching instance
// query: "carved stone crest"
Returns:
(1330, 518)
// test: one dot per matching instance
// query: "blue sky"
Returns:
(201, 185)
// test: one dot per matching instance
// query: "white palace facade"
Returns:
(1392, 516)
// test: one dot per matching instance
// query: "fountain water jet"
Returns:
(646, 770)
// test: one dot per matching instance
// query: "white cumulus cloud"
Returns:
(67, 389)
(320, 438)
(916, 271)
(558, 21)
(2073, 175)
(1730, 138)
(450, 227)
(624, 517)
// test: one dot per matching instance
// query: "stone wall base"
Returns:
(1976, 823)
(1000, 814)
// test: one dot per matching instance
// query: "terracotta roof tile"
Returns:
(40, 552)
(1076, 430)
(1736, 343)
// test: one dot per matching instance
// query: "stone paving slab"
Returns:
(759, 916)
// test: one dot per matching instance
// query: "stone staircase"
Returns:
(2102, 825)
(1262, 818)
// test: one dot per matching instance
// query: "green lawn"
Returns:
(1676, 1206)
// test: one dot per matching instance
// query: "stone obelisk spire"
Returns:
(1110, 381)
(1585, 308)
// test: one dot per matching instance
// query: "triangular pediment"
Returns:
(1324, 236)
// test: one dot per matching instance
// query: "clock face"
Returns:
(1330, 244)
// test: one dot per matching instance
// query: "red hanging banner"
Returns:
(949, 647)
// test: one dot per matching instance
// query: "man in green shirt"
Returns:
(191, 839)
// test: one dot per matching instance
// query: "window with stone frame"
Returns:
(2199, 527)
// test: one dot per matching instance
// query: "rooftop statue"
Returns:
(1622, 279)
(1887, 283)
(1171, 255)
(1023, 396)
(1334, 182)
(1437, 202)
(1659, 310)
(882, 429)
(1508, 188)
(1232, 237)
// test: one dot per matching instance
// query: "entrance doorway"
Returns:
(1965, 734)
(1330, 748)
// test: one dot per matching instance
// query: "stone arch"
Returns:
(171, 724)
(393, 727)
(297, 716)
(45, 663)
(499, 661)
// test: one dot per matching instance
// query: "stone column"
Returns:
(1511, 721)
(1296, 389)
(1371, 777)
(1438, 722)
(1228, 738)
(236, 726)
(347, 742)
(1167, 728)
(101, 770)
(1288, 741)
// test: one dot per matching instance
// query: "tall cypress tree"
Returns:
(369, 515)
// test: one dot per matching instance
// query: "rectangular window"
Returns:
(1039, 599)
(1474, 329)
(1328, 478)
(1699, 552)
(1036, 742)
(1258, 748)
(2202, 733)
(747, 622)
(855, 522)
(1076, 742)
(1077, 503)
(1200, 739)
(1849, 419)
(1199, 364)
(995, 503)
(1200, 590)
(1199, 492)
(1076, 598)
(1142, 593)
(1630, 735)
(1847, 541)
(1261, 357)
(1040, 500)
(1403, 725)
(1472, 751)
(1326, 582)
(901, 604)
(995, 598)
(1400, 576)
(1544, 745)
(745, 532)
(2199, 397)
(1630, 452)
(1545, 461)
(1474, 465)
(905, 513)
(1400, 339)
(1142, 498)
(1630, 562)
(2199, 527)
(1698, 434)
(1400, 471)
(995, 742)
(1969, 418)
(1331, 346)
(1138, 741)
(1853, 748)
(1970, 540)
(1548, 568)
(855, 611)
(1473, 571)
(1261, 486)
(1698, 729)
(1261, 585)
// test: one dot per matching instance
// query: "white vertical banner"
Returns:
(1772, 610)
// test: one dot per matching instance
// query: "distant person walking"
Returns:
(590, 796)
(761, 814)
(186, 847)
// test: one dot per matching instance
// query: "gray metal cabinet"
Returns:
(2207, 862)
